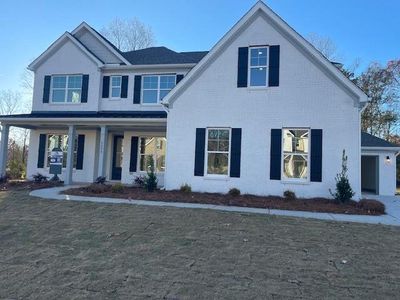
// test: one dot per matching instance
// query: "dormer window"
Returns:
(156, 87)
(66, 88)
(258, 66)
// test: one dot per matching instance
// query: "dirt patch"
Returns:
(269, 202)
(16, 185)
(77, 250)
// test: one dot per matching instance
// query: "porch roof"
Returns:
(37, 119)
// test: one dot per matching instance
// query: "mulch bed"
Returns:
(27, 185)
(270, 202)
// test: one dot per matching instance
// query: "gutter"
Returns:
(390, 149)
(154, 66)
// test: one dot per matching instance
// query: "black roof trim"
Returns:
(90, 114)
(369, 140)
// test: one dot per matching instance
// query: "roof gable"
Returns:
(105, 42)
(260, 9)
(57, 44)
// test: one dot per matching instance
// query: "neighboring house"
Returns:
(263, 111)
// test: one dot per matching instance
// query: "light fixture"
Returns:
(388, 159)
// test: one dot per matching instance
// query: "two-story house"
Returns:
(262, 111)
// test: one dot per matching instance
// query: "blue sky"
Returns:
(364, 29)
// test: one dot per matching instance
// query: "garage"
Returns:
(370, 174)
(378, 165)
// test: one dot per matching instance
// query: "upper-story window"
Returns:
(116, 82)
(66, 88)
(156, 87)
(258, 66)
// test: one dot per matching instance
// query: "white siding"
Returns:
(69, 59)
(306, 97)
(97, 47)
(87, 174)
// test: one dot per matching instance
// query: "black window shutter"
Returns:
(236, 149)
(316, 155)
(106, 87)
(80, 151)
(199, 152)
(124, 87)
(179, 77)
(276, 154)
(137, 89)
(134, 154)
(243, 57)
(41, 151)
(274, 54)
(46, 89)
(85, 86)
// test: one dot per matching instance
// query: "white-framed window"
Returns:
(152, 147)
(66, 88)
(296, 145)
(115, 86)
(258, 66)
(156, 87)
(218, 151)
(60, 141)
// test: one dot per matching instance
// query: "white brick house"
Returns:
(262, 111)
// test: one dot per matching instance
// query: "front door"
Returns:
(116, 169)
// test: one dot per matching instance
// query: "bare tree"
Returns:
(325, 45)
(27, 81)
(128, 35)
(9, 102)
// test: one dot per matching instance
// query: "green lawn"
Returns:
(56, 249)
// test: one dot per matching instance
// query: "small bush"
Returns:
(289, 195)
(139, 181)
(234, 192)
(100, 180)
(117, 188)
(96, 188)
(343, 192)
(150, 181)
(186, 188)
(4, 178)
(373, 206)
(39, 178)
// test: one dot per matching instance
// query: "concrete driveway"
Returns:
(392, 204)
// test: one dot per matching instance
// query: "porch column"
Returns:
(70, 155)
(102, 151)
(4, 148)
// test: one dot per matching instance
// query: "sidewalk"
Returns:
(391, 218)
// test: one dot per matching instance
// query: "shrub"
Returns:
(100, 180)
(234, 192)
(139, 181)
(117, 188)
(39, 178)
(16, 169)
(289, 195)
(373, 206)
(96, 188)
(343, 192)
(186, 188)
(4, 178)
(150, 181)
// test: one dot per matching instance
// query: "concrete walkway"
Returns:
(391, 218)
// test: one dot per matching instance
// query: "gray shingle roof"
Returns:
(162, 55)
(369, 140)
(89, 114)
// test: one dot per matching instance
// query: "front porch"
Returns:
(116, 148)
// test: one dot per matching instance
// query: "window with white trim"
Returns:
(152, 148)
(218, 151)
(60, 141)
(258, 66)
(66, 88)
(296, 153)
(115, 86)
(156, 87)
